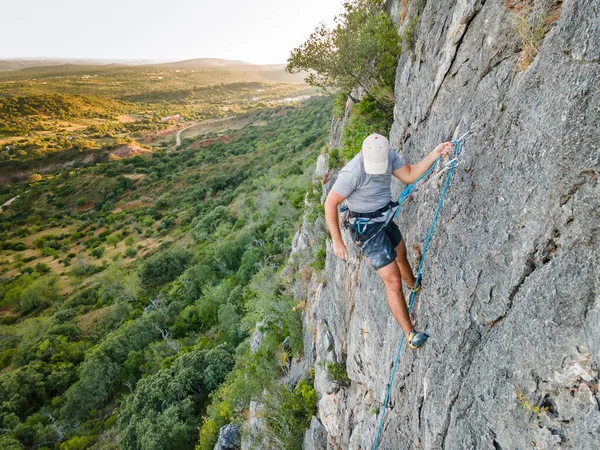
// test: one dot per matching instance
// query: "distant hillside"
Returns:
(281, 76)
(206, 62)
(222, 70)
(18, 64)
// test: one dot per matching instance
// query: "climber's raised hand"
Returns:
(443, 149)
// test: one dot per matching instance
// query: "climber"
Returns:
(365, 185)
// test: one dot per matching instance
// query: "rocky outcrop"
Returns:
(512, 276)
(229, 438)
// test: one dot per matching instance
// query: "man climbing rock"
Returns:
(365, 184)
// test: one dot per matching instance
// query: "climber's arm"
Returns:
(332, 220)
(410, 173)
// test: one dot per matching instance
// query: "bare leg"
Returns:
(390, 275)
(405, 271)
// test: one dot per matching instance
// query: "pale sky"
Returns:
(257, 31)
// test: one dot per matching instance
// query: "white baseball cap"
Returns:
(375, 150)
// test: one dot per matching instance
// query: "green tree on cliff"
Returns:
(361, 51)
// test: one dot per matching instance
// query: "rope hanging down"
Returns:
(405, 195)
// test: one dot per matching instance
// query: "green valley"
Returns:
(47, 110)
(131, 280)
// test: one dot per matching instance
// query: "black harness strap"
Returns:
(370, 215)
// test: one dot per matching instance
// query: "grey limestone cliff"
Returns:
(512, 276)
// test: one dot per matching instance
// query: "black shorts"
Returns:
(378, 243)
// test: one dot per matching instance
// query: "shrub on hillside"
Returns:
(288, 414)
(164, 267)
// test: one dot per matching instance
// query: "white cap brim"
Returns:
(375, 168)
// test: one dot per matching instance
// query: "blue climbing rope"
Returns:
(411, 188)
(405, 194)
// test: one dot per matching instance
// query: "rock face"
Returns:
(316, 436)
(229, 438)
(512, 276)
(254, 428)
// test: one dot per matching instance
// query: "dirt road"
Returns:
(8, 202)
(178, 136)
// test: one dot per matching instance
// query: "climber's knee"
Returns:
(391, 276)
(394, 284)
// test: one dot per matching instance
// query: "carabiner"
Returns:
(361, 222)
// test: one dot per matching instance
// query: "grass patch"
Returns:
(334, 159)
(409, 35)
(320, 256)
(339, 105)
(531, 29)
(338, 374)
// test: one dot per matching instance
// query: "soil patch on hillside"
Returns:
(128, 151)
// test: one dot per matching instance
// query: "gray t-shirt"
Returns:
(364, 192)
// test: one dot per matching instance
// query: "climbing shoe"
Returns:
(416, 288)
(415, 340)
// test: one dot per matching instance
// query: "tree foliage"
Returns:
(361, 51)
(100, 374)
(164, 267)
(161, 413)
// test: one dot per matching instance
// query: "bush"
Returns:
(42, 268)
(164, 267)
(288, 414)
(8, 442)
(204, 226)
(78, 443)
(97, 252)
(101, 373)
(161, 413)
(338, 373)
(219, 363)
(320, 258)
(6, 357)
(48, 240)
(531, 30)
(15, 246)
(47, 251)
(85, 270)
(366, 118)
(334, 159)
(339, 105)
(34, 178)
(38, 295)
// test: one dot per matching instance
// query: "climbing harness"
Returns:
(361, 220)
(409, 191)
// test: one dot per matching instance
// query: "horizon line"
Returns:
(156, 60)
